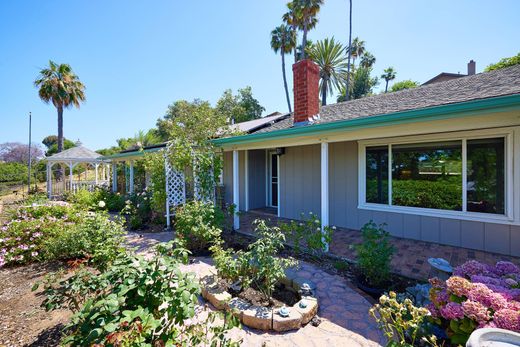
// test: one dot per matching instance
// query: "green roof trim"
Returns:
(137, 153)
(468, 108)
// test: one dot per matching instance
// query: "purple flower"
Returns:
(506, 267)
(507, 319)
(488, 280)
(452, 311)
(23, 247)
(433, 310)
(473, 267)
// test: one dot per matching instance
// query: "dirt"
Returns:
(281, 296)
(23, 322)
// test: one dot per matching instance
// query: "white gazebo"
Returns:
(71, 158)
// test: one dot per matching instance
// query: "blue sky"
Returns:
(136, 57)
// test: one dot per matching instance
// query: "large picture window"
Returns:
(466, 175)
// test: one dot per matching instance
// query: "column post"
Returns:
(246, 179)
(114, 176)
(49, 180)
(96, 166)
(236, 191)
(131, 177)
(70, 175)
(324, 188)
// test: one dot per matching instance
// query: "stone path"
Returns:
(344, 312)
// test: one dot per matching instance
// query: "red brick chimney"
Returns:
(306, 76)
(472, 67)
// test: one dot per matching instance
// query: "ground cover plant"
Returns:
(58, 231)
(476, 296)
(138, 302)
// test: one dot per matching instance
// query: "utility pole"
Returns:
(29, 175)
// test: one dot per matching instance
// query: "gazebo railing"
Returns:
(88, 185)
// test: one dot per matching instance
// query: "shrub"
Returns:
(403, 324)
(138, 302)
(199, 224)
(231, 265)
(477, 295)
(138, 210)
(307, 233)
(374, 254)
(58, 231)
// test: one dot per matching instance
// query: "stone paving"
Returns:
(344, 312)
(411, 256)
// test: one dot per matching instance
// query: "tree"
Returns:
(362, 84)
(367, 60)
(388, 75)
(504, 62)
(51, 142)
(304, 14)
(283, 39)
(330, 57)
(347, 88)
(239, 108)
(58, 84)
(406, 84)
(291, 19)
(15, 152)
(357, 49)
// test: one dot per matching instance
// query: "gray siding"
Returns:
(228, 177)
(300, 181)
(257, 179)
(300, 193)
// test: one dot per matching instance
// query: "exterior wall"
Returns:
(228, 177)
(300, 181)
(257, 179)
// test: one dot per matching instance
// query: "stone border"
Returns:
(259, 317)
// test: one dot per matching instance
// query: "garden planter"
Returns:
(372, 291)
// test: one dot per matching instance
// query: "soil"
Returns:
(23, 322)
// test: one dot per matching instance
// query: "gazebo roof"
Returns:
(76, 154)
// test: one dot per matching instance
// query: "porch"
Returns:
(410, 258)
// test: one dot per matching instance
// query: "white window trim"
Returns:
(511, 185)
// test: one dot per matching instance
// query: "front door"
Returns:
(273, 180)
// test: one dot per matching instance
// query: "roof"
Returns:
(77, 153)
(480, 86)
(443, 76)
(255, 124)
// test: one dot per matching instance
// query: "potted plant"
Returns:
(374, 255)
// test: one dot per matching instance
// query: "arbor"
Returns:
(303, 13)
(283, 39)
(406, 84)
(388, 75)
(504, 62)
(330, 57)
(240, 107)
(58, 84)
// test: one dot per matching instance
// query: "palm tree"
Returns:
(358, 49)
(389, 74)
(58, 84)
(347, 88)
(367, 60)
(283, 39)
(304, 13)
(330, 57)
(291, 19)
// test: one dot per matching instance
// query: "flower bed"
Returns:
(262, 317)
(477, 296)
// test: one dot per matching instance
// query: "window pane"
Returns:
(485, 162)
(428, 175)
(377, 175)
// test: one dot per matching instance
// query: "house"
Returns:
(446, 76)
(438, 163)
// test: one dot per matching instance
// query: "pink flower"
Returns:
(452, 311)
(458, 286)
(507, 319)
(476, 311)
(34, 254)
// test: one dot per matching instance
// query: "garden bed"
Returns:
(255, 311)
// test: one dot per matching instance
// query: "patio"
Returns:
(410, 258)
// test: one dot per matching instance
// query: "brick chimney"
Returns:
(472, 67)
(306, 76)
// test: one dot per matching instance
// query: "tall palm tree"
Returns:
(367, 60)
(305, 12)
(330, 57)
(292, 20)
(347, 87)
(58, 84)
(389, 74)
(283, 39)
(358, 49)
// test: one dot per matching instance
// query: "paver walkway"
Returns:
(344, 312)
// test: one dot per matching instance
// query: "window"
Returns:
(459, 175)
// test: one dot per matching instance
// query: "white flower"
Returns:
(128, 202)
(101, 204)
(333, 227)
(163, 306)
(317, 221)
(318, 229)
